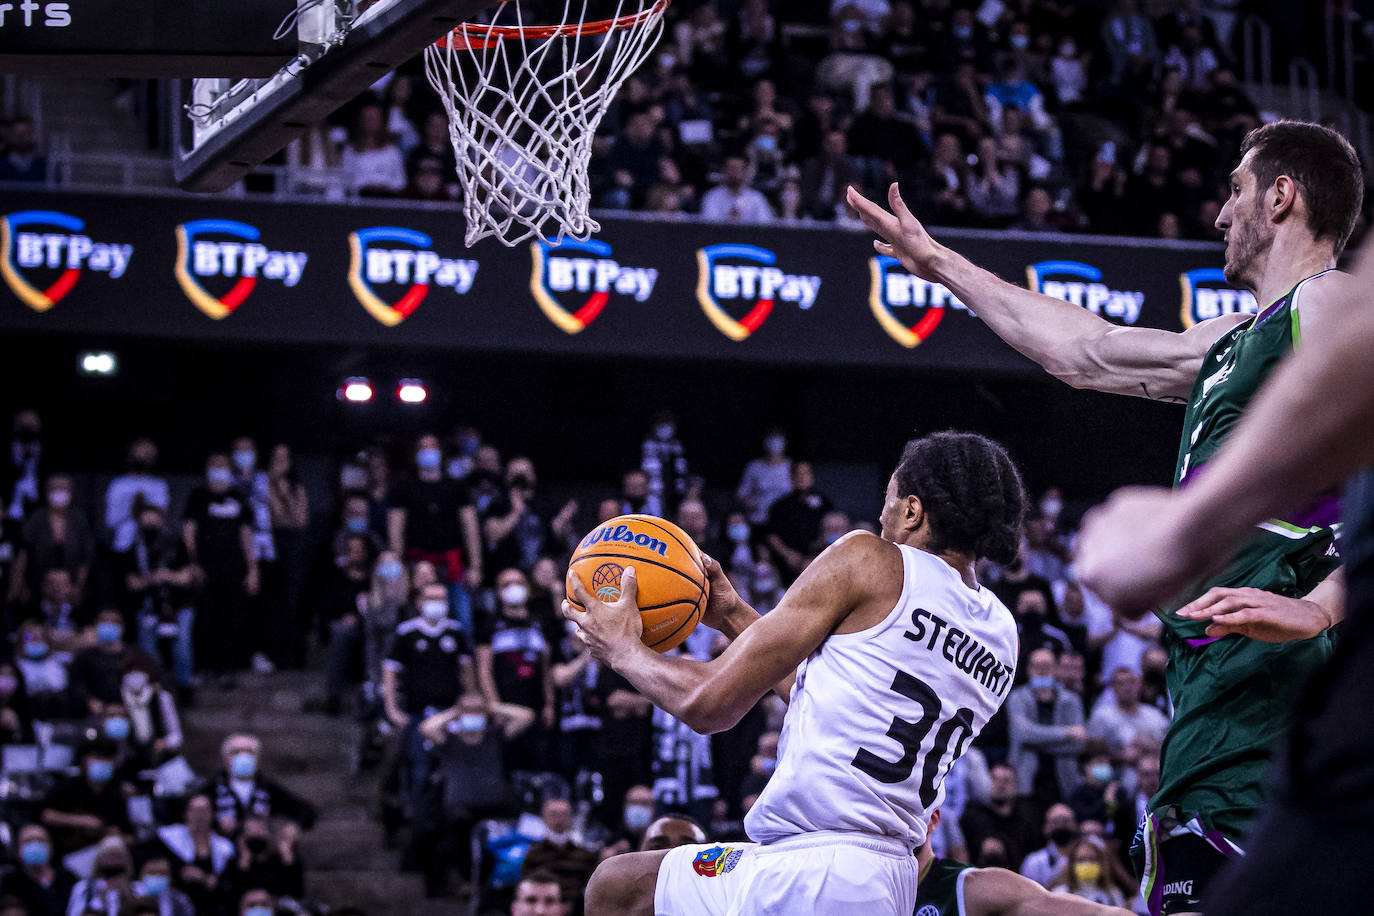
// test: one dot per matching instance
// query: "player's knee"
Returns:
(623, 886)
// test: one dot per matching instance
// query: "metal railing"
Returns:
(1257, 48)
(1304, 93)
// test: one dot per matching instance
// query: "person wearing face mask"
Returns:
(154, 726)
(385, 608)
(289, 509)
(241, 791)
(198, 855)
(1046, 733)
(44, 672)
(263, 862)
(21, 474)
(111, 884)
(1098, 791)
(218, 532)
(42, 884)
(663, 459)
(159, 581)
(514, 666)
(82, 808)
(560, 852)
(432, 517)
(516, 533)
(137, 483)
(256, 902)
(427, 669)
(57, 536)
(765, 589)
(766, 479)
(16, 726)
(96, 671)
(1061, 830)
(469, 786)
(254, 486)
(1086, 875)
(155, 881)
(342, 607)
(761, 767)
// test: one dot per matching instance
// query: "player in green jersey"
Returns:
(1294, 199)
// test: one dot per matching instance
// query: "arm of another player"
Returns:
(1071, 343)
(1145, 545)
(1268, 617)
(999, 892)
(857, 573)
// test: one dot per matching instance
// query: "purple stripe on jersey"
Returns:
(1199, 641)
(1324, 513)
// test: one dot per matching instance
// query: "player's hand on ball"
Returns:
(608, 630)
(1258, 614)
(903, 236)
(1131, 552)
(724, 599)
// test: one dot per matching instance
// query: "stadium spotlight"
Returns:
(358, 390)
(97, 362)
(411, 391)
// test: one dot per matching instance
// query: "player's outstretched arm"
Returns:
(998, 892)
(1071, 343)
(857, 573)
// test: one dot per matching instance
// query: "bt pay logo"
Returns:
(51, 245)
(744, 279)
(1206, 295)
(212, 248)
(373, 263)
(1081, 284)
(577, 268)
(893, 292)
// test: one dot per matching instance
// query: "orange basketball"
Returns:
(673, 587)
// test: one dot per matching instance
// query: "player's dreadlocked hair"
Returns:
(971, 489)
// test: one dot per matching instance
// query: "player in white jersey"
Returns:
(893, 659)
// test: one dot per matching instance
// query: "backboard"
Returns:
(230, 126)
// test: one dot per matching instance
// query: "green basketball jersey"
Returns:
(1233, 697)
(941, 890)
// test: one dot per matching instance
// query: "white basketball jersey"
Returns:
(877, 717)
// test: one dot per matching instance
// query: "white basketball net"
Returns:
(524, 101)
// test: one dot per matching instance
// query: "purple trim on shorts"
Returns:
(1219, 842)
(1155, 902)
(1199, 641)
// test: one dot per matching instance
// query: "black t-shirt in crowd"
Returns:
(219, 519)
(76, 796)
(163, 552)
(519, 654)
(429, 662)
(796, 518)
(431, 513)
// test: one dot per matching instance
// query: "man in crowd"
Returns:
(217, 529)
(432, 518)
(1119, 717)
(97, 671)
(794, 521)
(137, 483)
(40, 882)
(1046, 732)
(1004, 817)
(538, 894)
(85, 807)
(559, 853)
(513, 666)
(241, 791)
(1061, 831)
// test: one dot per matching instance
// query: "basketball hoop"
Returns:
(524, 102)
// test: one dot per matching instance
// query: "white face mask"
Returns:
(514, 594)
(135, 681)
(434, 611)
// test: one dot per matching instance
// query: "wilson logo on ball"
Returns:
(606, 581)
(623, 535)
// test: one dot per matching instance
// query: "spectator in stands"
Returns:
(97, 671)
(436, 144)
(160, 582)
(1103, 200)
(1119, 717)
(256, 902)
(514, 667)
(372, 159)
(765, 586)
(1132, 808)
(1046, 732)
(1132, 50)
(241, 792)
(670, 193)
(42, 884)
(254, 487)
(1070, 672)
(761, 768)
(961, 106)
(733, 200)
(289, 508)
(355, 520)
(426, 179)
(1193, 58)
(198, 854)
(1010, 820)
(387, 606)
(342, 603)
(260, 861)
(1154, 686)
(559, 853)
(44, 670)
(1038, 213)
(1087, 875)
(994, 186)
(853, 65)
(516, 534)
(794, 521)
(1033, 624)
(1122, 642)
(400, 104)
(154, 723)
(155, 880)
(138, 483)
(1099, 789)
(824, 178)
(751, 42)
(943, 185)
(1069, 73)
(886, 140)
(83, 808)
(539, 893)
(111, 885)
(217, 530)
(635, 498)
(671, 831)
(432, 518)
(633, 162)
(24, 469)
(765, 479)
(1061, 831)
(21, 160)
(56, 536)
(664, 461)
(16, 724)
(1011, 90)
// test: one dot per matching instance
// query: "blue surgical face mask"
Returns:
(1042, 683)
(472, 722)
(1020, 42)
(258, 911)
(739, 532)
(356, 525)
(155, 885)
(428, 458)
(34, 852)
(243, 765)
(116, 728)
(36, 650)
(219, 476)
(638, 817)
(107, 631)
(390, 570)
(775, 445)
(768, 764)
(766, 143)
(963, 31)
(245, 458)
(100, 771)
(1102, 772)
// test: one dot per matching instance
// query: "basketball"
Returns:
(673, 588)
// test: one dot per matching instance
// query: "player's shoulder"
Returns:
(1325, 288)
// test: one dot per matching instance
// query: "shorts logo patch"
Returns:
(929, 909)
(716, 861)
